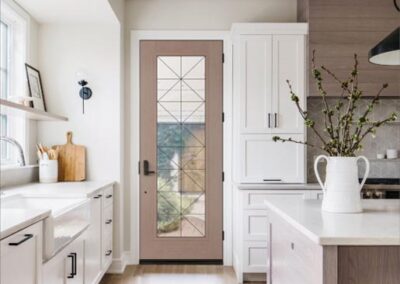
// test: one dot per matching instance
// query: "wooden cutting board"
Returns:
(71, 161)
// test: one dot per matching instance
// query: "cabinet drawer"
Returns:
(255, 257)
(108, 220)
(107, 252)
(263, 160)
(108, 196)
(302, 257)
(255, 224)
(255, 200)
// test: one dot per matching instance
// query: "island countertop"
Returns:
(377, 225)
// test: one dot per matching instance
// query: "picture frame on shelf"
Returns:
(35, 88)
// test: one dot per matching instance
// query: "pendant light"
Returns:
(387, 52)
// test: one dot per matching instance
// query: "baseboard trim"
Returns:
(182, 261)
(118, 265)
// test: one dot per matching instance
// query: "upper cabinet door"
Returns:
(253, 82)
(288, 64)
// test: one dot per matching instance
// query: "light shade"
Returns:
(387, 52)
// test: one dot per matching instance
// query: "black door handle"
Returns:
(73, 265)
(146, 167)
(26, 237)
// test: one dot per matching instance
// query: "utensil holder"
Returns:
(48, 171)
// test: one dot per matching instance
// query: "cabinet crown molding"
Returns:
(269, 28)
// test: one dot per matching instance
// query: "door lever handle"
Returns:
(146, 167)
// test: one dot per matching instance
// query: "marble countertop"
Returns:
(378, 224)
(278, 186)
(66, 189)
(14, 220)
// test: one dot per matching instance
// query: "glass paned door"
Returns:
(181, 148)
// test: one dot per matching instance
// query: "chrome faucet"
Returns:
(14, 142)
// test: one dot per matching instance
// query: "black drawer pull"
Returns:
(109, 221)
(272, 180)
(73, 265)
(98, 196)
(109, 196)
(26, 237)
(108, 253)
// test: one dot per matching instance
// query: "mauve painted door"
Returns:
(181, 141)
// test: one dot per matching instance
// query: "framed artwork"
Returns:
(35, 87)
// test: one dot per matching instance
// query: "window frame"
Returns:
(17, 21)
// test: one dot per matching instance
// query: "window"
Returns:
(13, 35)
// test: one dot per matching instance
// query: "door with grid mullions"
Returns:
(181, 142)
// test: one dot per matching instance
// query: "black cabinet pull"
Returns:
(269, 120)
(276, 119)
(108, 252)
(73, 265)
(26, 237)
(146, 168)
(109, 196)
(272, 180)
(98, 196)
(109, 221)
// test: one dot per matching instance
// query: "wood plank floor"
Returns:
(173, 274)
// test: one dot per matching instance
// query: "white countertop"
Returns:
(14, 220)
(67, 189)
(278, 186)
(379, 224)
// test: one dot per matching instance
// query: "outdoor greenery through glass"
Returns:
(181, 146)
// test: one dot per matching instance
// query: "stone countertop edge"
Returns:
(337, 240)
(25, 223)
(278, 186)
(67, 189)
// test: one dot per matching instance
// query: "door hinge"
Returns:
(223, 57)
(223, 235)
(223, 176)
(138, 168)
(223, 117)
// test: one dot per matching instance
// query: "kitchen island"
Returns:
(308, 246)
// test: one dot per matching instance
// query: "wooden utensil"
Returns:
(71, 161)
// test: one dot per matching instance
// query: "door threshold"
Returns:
(182, 261)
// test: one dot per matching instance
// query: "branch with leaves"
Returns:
(343, 140)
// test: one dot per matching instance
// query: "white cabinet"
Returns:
(98, 245)
(93, 245)
(265, 57)
(67, 266)
(21, 256)
(253, 82)
(263, 160)
(252, 229)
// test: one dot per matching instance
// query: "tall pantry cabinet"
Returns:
(265, 56)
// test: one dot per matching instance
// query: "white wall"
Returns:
(205, 14)
(64, 49)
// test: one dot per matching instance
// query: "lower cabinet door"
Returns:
(263, 160)
(255, 257)
(66, 266)
(93, 237)
(21, 256)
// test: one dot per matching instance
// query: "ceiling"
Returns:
(69, 11)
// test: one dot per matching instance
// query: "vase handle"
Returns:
(316, 170)
(366, 170)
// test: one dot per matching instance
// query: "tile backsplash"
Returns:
(387, 137)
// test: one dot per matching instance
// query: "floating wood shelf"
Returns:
(11, 108)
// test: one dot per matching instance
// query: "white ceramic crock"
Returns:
(341, 187)
(48, 171)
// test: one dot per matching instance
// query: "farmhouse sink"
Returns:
(69, 218)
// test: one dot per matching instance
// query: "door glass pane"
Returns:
(181, 148)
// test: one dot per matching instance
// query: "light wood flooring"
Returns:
(173, 274)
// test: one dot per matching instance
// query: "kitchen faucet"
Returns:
(14, 142)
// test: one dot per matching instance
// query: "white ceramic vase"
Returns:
(342, 190)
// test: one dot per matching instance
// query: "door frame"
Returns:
(136, 37)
